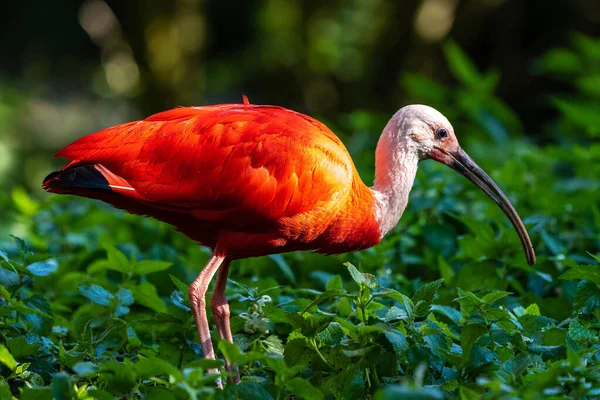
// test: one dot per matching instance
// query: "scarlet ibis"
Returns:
(249, 180)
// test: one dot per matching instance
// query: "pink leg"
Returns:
(197, 293)
(220, 310)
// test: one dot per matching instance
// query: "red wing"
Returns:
(238, 164)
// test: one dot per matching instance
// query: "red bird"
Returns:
(249, 180)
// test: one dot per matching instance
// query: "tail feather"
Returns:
(87, 179)
(71, 179)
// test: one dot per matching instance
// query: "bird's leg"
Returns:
(197, 293)
(220, 310)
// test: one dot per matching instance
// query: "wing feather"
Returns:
(236, 164)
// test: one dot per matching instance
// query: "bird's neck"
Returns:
(395, 170)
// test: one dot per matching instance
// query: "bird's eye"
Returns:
(441, 133)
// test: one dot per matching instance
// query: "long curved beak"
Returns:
(461, 162)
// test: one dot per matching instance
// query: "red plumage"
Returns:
(246, 180)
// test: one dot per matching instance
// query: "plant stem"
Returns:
(314, 344)
(489, 329)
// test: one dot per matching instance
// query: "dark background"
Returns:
(69, 68)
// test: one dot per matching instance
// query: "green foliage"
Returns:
(93, 302)
(578, 67)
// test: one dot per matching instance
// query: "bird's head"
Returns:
(425, 131)
(429, 135)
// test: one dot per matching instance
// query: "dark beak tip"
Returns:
(531, 259)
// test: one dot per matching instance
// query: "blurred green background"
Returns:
(519, 79)
(69, 68)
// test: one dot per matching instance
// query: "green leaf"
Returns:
(85, 368)
(3, 255)
(22, 247)
(468, 394)
(450, 386)
(97, 294)
(25, 309)
(335, 283)
(329, 294)
(423, 298)
(22, 346)
(43, 268)
(44, 393)
(355, 274)
(423, 87)
(297, 352)
(579, 333)
(62, 388)
(401, 298)
(469, 335)
(585, 272)
(331, 335)
(461, 66)
(23, 201)
(446, 270)
(597, 258)
(5, 393)
(398, 341)
(478, 276)
(587, 298)
(395, 313)
(273, 345)
(404, 392)
(549, 351)
(120, 378)
(100, 394)
(6, 358)
(153, 367)
(516, 366)
(361, 279)
(278, 315)
(117, 260)
(159, 393)
(146, 267)
(374, 306)
(580, 112)
(358, 352)
(146, 295)
(161, 318)
(180, 285)
(38, 302)
(248, 390)
(203, 363)
(284, 267)
(230, 351)
(533, 324)
(533, 309)
(303, 389)
(494, 296)
(449, 312)
(469, 303)
(314, 324)
(562, 61)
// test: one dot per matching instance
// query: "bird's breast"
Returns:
(355, 227)
(350, 227)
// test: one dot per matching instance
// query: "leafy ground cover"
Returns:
(93, 302)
